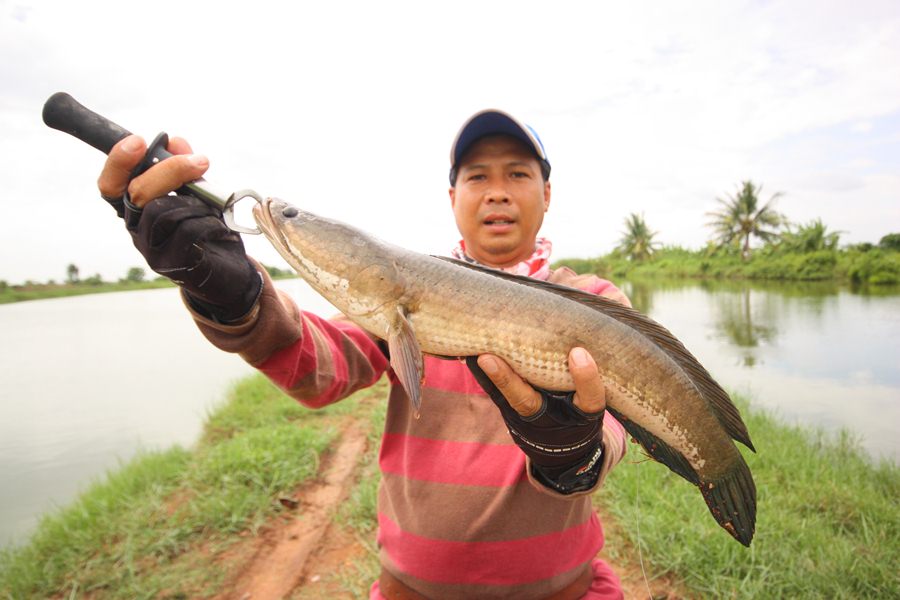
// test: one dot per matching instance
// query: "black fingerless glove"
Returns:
(562, 441)
(186, 240)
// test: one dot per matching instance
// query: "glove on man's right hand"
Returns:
(187, 241)
(563, 442)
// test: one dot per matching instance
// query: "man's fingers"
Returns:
(122, 159)
(523, 398)
(167, 176)
(590, 395)
(159, 180)
(179, 145)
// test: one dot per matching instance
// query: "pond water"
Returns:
(88, 381)
(812, 353)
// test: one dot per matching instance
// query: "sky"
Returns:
(348, 109)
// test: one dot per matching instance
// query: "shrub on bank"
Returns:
(876, 267)
(861, 265)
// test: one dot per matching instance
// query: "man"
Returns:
(482, 496)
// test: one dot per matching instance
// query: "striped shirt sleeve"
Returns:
(315, 360)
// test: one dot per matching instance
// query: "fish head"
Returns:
(300, 233)
(305, 240)
(297, 233)
(348, 267)
(274, 217)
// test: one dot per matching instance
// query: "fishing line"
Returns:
(637, 506)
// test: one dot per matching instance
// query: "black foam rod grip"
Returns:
(63, 112)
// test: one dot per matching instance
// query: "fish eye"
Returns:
(289, 212)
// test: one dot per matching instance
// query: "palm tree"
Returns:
(72, 273)
(741, 217)
(637, 239)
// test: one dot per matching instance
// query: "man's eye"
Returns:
(520, 175)
(476, 177)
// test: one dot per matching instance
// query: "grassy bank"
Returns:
(162, 526)
(854, 266)
(40, 291)
(95, 285)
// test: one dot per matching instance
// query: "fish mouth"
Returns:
(262, 213)
(263, 216)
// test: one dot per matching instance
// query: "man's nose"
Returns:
(497, 195)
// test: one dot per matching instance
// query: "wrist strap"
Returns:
(579, 478)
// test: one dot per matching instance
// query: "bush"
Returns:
(276, 273)
(579, 265)
(890, 242)
(135, 274)
(817, 265)
(876, 267)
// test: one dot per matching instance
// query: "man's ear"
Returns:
(452, 192)
(546, 196)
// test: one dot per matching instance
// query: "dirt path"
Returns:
(281, 561)
(297, 557)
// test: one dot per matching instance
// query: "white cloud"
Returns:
(348, 109)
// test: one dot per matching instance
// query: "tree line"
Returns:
(785, 250)
(133, 276)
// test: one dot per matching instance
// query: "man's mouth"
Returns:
(498, 220)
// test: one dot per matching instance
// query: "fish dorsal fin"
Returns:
(712, 392)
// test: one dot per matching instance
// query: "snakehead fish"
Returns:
(421, 304)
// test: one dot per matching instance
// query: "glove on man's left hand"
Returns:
(562, 441)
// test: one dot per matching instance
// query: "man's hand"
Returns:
(590, 395)
(167, 176)
(181, 237)
(560, 432)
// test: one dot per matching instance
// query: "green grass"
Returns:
(874, 267)
(94, 285)
(41, 291)
(155, 527)
(828, 522)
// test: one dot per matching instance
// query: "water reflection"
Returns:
(738, 322)
(640, 293)
(815, 353)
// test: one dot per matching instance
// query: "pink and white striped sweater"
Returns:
(458, 514)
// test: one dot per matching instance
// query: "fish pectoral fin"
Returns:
(406, 358)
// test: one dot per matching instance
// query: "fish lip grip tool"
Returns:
(64, 113)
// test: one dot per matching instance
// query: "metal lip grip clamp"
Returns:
(63, 112)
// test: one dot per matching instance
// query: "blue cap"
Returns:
(493, 122)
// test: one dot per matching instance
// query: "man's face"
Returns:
(499, 200)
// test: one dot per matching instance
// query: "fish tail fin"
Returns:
(732, 501)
